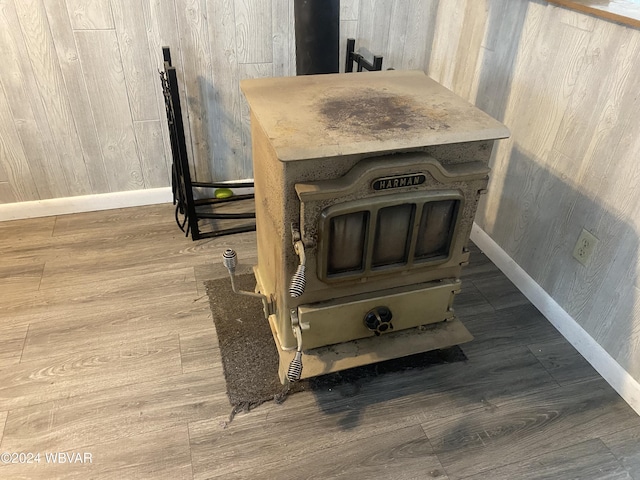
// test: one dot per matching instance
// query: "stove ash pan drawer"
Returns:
(328, 323)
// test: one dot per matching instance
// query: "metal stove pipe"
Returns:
(317, 36)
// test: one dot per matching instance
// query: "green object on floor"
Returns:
(223, 193)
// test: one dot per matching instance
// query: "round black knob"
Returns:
(378, 320)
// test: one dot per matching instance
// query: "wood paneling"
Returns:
(53, 95)
(154, 162)
(196, 62)
(399, 30)
(566, 85)
(282, 26)
(349, 9)
(15, 169)
(225, 130)
(80, 75)
(71, 69)
(420, 34)
(90, 14)
(28, 113)
(104, 76)
(6, 192)
(162, 30)
(348, 29)
(133, 44)
(449, 28)
(374, 23)
(254, 39)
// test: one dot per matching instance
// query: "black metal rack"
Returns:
(357, 58)
(194, 210)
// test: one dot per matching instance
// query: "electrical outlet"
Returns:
(585, 246)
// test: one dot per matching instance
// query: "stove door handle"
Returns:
(230, 261)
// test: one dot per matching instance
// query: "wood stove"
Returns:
(366, 187)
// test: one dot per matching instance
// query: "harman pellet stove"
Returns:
(366, 187)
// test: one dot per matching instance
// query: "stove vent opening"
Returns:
(363, 238)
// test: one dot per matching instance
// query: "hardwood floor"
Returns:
(107, 347)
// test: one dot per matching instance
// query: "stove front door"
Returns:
(384, 245)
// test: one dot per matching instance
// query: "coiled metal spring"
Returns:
(295, 368)
(230, 260)
(298, 282)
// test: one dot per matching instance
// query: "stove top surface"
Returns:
(318, 116)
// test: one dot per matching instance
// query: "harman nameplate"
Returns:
(387, 183)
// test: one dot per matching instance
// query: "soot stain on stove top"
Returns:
(372, 111)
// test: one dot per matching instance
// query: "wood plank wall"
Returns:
(399, 30)
(566, 84)
(81, 110)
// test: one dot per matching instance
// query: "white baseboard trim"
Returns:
(84, 203)
(623, 383)
(102, 201)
